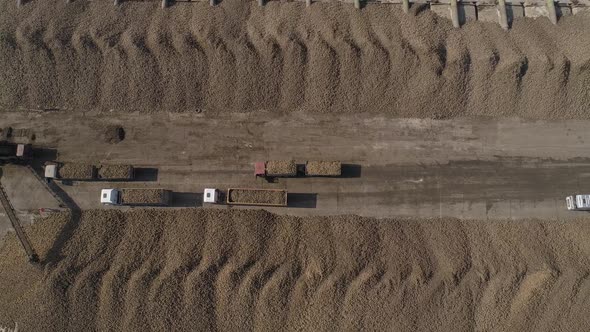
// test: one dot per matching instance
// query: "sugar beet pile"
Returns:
(236, 270)
(284, 57)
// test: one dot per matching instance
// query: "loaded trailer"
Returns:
(246, 196)
(89, 172)
(288, 168)
(136, 196)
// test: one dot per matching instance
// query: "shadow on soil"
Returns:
(351, 171)
(186, 200)
(302, 200)
(54, 253)
(146, 174)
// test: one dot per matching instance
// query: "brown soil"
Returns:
(143, 196)
(326, 168)
(284, 57)
(244, 196)
(76, 171)
(115, 171)
(281, 167)
(114, 134)
(236, 270)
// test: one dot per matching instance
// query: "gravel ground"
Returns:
(281, 167)
(326, 168)
(76, 171)
(257, 196)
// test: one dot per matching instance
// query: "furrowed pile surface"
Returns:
(76, 171)
(236, 270)
(115, 171)
(283, 57)
(142, 196)
(257, 196)
(281, 167)
(332, 168)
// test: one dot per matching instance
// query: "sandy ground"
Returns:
(198, 269)
(329, 58)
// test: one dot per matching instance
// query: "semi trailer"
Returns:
(246, 196)
(116, 172)
(136, 196)
(70, 171)
(288, 168)
(89, 172)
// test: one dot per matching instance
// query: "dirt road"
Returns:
(476, 168)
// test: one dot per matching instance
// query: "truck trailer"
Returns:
(136, 196)
(246, 196)
(70, 171)
(288, 168)
(89, 172)
(116, 173)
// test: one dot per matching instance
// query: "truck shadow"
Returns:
(146, 174)
(302, 200)
(186, 200)
(351, 171)
(41, 156)
(54, 253)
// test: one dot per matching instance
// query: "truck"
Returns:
(246, 196)
(287, 168)
(12, 152)
(277, 168)
(578, 202)
(89, 172)
(136, 196)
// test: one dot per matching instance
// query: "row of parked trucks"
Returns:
(89, 172)
(289, 168)
(12, 152)
(161, 197)
(231, 196)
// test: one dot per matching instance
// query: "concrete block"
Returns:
(487, 13)
(563, 10)
(514, 11)
(467, 13)
(536, 11)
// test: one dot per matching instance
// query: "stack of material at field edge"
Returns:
(283, 57)
(236, 270)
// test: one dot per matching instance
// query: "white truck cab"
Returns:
(51, 171)
(578, 202)
(109, 196)
(211, 195)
